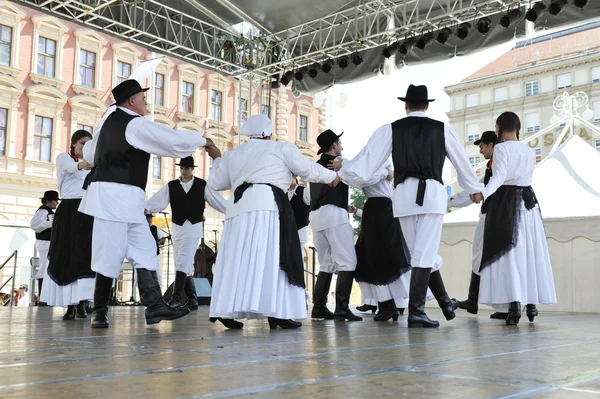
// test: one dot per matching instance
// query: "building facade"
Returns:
(526, 80)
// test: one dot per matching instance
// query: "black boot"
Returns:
(70, 313)
(401, 310)
(40, 283)
(343, 289)
(80, 310)
(102, 293)
(436, 284)
(88, 307)
(367, 308)
(470, 305)
(284, 324)
(320, 294)
(229, 323)
(150, 295)
(178, 286)
(190, 292)
(514, 313)
(531, 312)
(387, 310)
(419, 281)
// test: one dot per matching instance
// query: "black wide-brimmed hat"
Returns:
(487, 137)
(326, 139)
(187, 162)
(50, 195)
(126, 89)
(416, 93)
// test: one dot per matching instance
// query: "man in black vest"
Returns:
(333, 236)
(419, 146)
(187, 196)
(41, 224)
(115, 195)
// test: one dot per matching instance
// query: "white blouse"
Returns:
(70, 179)
(514, 163)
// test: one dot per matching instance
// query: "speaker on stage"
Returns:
(203, 291)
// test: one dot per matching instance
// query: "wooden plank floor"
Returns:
(42, 356)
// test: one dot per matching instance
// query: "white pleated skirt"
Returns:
(65, 295)
(248, 282)
(398, 291)
(524, 274)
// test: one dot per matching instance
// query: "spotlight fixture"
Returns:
(580, 3)
(275, 81)
(510, 17)
(313, 71)
(535, 11)
(357, 59)
(444, 35)
(343, 61)
(463, 30)
(425, 40)
(484, 25)
(556, 6)
(327, 65)
(390, 50)
(287, 77)
(407, 45)
(299, 75)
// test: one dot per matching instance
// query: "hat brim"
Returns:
(414, 99)
(48, 199)
(483, 141)
(132, 94)
(338, 136)
(186, 166)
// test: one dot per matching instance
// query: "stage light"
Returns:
(463, 30)
(484, 25)
(425, 40)
(535, 11)
(391, 50)
(580, 3)
(287, 77)
(357, 59)
(327, 65)
(343, 61)
(444, 35)
(510, 18)
(275, 81)
(299, 75)
(407, 45)
(313, 71)
(556, 6)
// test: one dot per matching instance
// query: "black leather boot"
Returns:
(320, 294)
(150, 295)
(70, 313)
(88, 308)
(436, 284)
(343, 289)
(190, 292)
(80, 311)
(178, 286)
(531, 312)
(514, 313)
(470, 305)
(284, 324)
(367, 308)
(419, 281)
(401, 310)
(102, 293)
(229, 323)
(499, 316)
(387, 310)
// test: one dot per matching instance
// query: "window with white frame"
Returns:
(303, 128)
(501, 94)
(187, 97)
(87, 68)
(531, 88)
(42, 139)
(532, 122)
(159, 89)
(472, 100)
(476, 160)
(156, 168)
(596, 109)
(46, 57)
(563, 81)
(216, 105)
(244, 109)
(473, 132)
(85, 127)
(538, 155)
(3, 115)
(5, 44)
(123, 71)
(596, 75)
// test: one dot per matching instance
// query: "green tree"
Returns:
(358, 199)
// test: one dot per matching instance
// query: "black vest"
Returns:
(116, 161)
(488, 173)
(301, 210)
(187, 206)
(46, 234)
(323, 194)
(419, 151)
(154, 231)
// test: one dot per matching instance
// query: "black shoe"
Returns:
(514, 314)
(531, 312)
(419, 281)
(320, 294)
(150, 295)
(387, 310)
(401, 310)
(88, 308)
(80, 310)
(229, 323)
(367, 308)
(470, 305)
(284, 324)
(70, 313)
(190, 292)
(499, 316)
(345, 314)
(321, 313)
(436, 284)
(178, 288)
(100, 317)
(175, 301)
(102, 291)
(343, 289)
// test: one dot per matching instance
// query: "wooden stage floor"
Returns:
(42, 356)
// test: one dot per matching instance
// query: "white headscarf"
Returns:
(257, 126)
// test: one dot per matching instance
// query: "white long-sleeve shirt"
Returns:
(514, 163)
(40, 221)
(378, 150)
(123, 202)
(70, 178)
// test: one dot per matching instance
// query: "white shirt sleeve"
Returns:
(359, 213)
(303, 167)
(457, 155)
(363, 167)
(215, 199)
(39, 222)
(306, 196)
(66, 164)
(218, 179)
(499, 169)
(89, 149)
(159, 201)
(460, 200)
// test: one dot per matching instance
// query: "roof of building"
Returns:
(570, 43)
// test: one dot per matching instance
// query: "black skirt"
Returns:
(381, 251)
(70, 254)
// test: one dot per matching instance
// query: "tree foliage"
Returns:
(358, 199)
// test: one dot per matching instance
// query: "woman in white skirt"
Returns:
(259, 271)
(70, 279)
(515, 262)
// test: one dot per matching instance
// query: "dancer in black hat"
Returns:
(41, 224)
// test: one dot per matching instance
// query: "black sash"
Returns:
(290, 255)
